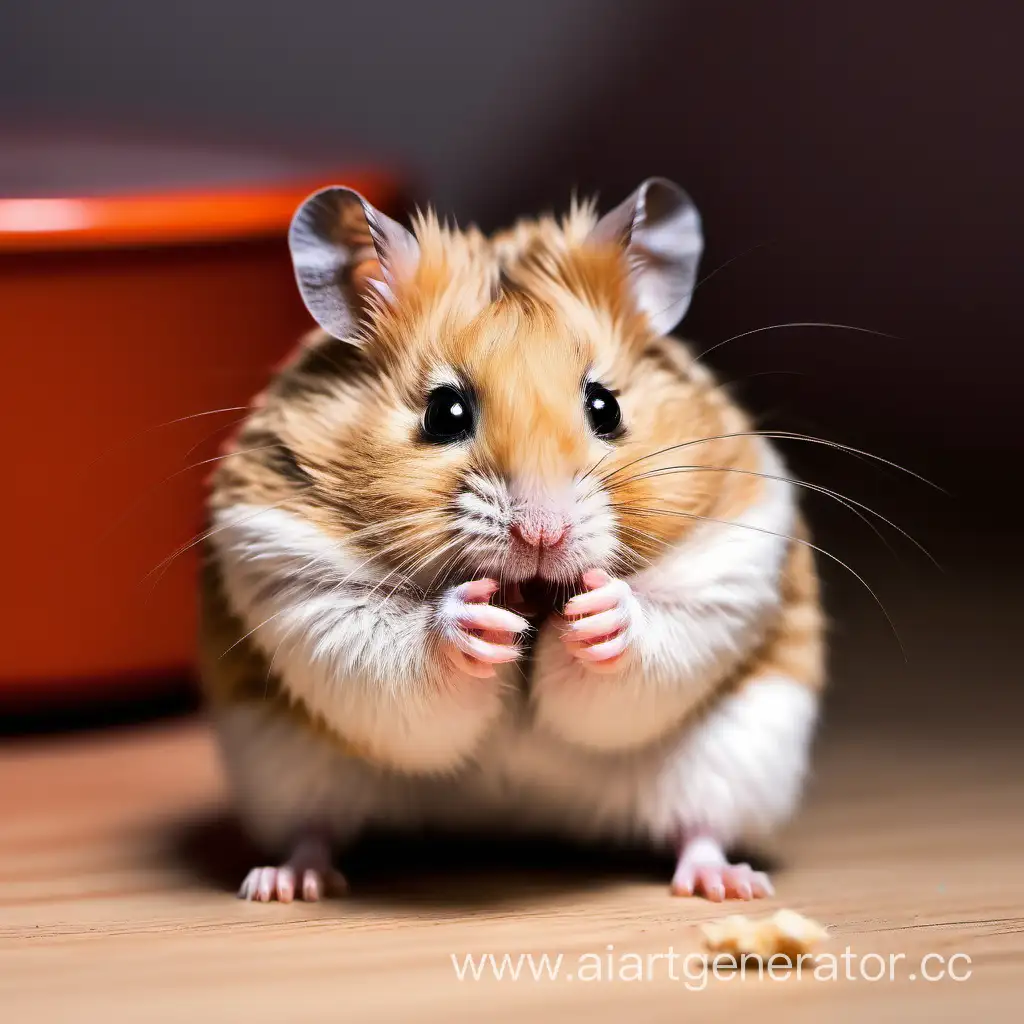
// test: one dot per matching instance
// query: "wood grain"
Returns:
(115, 861)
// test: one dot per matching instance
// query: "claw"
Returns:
(477, 635)
(704, 870)
(310, 863)
(601, 622)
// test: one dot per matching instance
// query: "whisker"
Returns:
(333, 590)
(847, 503)
(391, 523)
(412, 563)
(212, 434)
(417, 563)
(721, 266)
(268, 619)
(707, 277)
(782, 435)
(595, 466)
(341, 583)
(723, 384)
(646, 537)
(150, 491)
(124, 442)
(206, 535)
(443, 571)
(808, 323)
(851, 503)
(641, 510)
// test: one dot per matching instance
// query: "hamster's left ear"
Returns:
(341, 245)
(659, 228)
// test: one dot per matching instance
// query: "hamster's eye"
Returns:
(602, 410)
(449, 415)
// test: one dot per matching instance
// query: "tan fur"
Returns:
(523, 316)
(795, 646)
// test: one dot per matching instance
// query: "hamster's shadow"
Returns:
(444, 871)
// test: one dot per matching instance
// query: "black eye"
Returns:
(449, 415)
(602, 410)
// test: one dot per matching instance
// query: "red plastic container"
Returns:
(122, 312)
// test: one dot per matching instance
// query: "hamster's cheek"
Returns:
(595, 535)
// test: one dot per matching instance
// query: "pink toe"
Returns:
(601, 600)
(285, 885)
(478, 590)
(311, 886)
(737, 882)
(492, 654)
(602, 625)
(604, 651)
(487, 616)
(740, 889)
(265, 886)
(247, 890)
(683, 882)
(710, 883)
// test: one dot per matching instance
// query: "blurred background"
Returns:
(855, 164)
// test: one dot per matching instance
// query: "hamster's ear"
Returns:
(340, 246)
(659, 228)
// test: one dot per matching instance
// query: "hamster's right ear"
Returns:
(659, 229)
(341, 245)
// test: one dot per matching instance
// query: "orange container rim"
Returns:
(182, 217)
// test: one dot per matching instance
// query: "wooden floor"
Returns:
(117, 862)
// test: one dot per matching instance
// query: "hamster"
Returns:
(492, 550)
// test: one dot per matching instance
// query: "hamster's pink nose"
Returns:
(540, 534)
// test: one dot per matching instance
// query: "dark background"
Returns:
(859, 164)
(871, 151)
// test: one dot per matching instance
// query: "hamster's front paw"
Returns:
(601, 623)
(476, 635)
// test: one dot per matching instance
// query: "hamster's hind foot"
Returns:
(703, 869)
(308, 874)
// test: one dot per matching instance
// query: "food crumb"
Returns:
(785, 933)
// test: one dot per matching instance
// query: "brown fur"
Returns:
(795, 647)
(523, 316)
